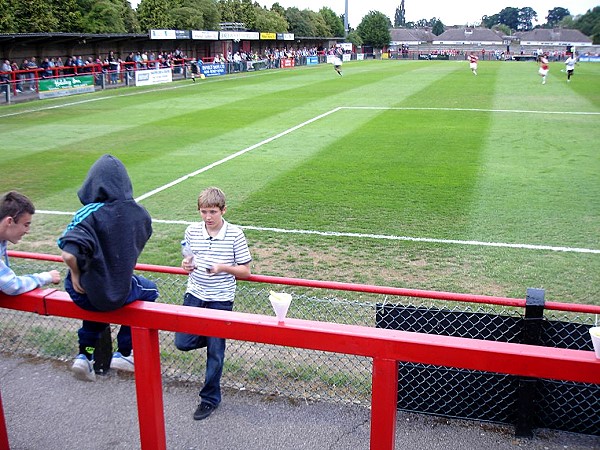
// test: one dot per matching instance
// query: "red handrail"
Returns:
(332, 285)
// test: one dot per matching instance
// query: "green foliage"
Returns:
(241, 11)
(68, 15)
(374, 29)
(104, 17)
(438, 28)
(300, 22)
(276, 7)
(589, 24)
(187, 18)
(34, 16)
(555, 16)
(155, 14)
(355, 38)
(514, 18)
(270, 21)
(7, 18)
(321, 28)
(335, 25)
(400, 16)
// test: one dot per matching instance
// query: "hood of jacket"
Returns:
(107, 181)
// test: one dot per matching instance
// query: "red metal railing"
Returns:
(385, 347)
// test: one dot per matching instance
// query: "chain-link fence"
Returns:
(317, 375)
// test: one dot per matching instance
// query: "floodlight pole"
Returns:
(346, 20)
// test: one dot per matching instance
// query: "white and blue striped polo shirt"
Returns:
(228, 247)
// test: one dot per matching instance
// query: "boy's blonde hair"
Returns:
(211, 197)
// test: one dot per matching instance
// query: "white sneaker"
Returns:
(120, 362)
(83, 368)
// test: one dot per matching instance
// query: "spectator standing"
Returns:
(24, 75)
(6, 70)
(32, 65)
(19, 85)
(16, 211)
(129, 65)
(220, 255)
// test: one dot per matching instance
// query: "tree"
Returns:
(276, 7)
(400, 16)
(374, 29)
(334, 23)
(270, 21)
(438, 27)
(299, 22)
(130, 19)
(509, 17)
(355, 38)
(589, 24)
(104, 17)
(491, 21)
(34, 16)
(526, 17)
(555, 16)
(154, 14)
(514, 18)
(7, 18)
(68, 14)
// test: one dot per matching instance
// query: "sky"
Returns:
(457, 12)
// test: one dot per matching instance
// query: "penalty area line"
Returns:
(233, 156)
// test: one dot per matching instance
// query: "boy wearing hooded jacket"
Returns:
(101, 246)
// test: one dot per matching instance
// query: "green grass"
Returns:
(417, 149)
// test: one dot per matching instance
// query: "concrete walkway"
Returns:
(47, 409)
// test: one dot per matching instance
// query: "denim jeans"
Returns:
(89, 333)
(215, 351)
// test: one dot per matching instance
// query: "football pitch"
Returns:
(412, 174)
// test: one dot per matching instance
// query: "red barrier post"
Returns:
(148, 386)
(384, 404)
(3, 431)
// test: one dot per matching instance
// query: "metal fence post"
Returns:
(531, 332)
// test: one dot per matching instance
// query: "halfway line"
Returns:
(374, 236)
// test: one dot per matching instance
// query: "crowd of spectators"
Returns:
(113, 67)
(25, 74)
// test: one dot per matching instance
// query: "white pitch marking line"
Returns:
(515, 111)
(234, 155)
(374, 236)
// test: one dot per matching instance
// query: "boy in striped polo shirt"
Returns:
(220, 255)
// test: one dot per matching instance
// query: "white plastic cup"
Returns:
(280, 303)
(595, 334)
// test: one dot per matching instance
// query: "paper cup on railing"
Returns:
(595, 334)
(280, 302)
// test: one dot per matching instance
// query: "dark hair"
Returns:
(14, 204)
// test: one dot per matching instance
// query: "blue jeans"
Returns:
(89, 333)
(215, 350)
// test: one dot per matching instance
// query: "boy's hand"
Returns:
(75, 281)
(55, 274)
(187, 264)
